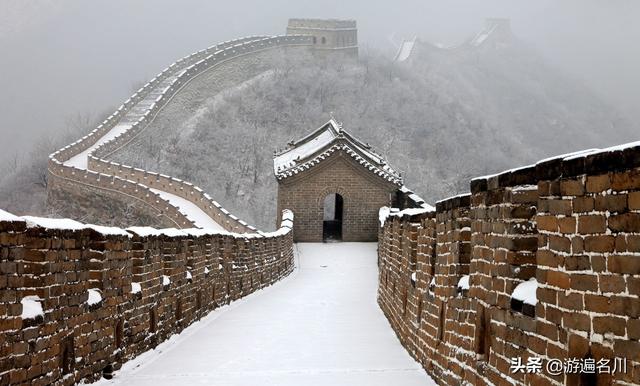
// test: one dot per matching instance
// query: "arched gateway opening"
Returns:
(332, 217)
(335, 185)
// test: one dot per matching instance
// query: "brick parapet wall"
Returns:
(175, 186)
(66, 178)
(75, 341)
(571, 223)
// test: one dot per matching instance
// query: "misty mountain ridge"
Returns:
(442, 117)
(509, 83)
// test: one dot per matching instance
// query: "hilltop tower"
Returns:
(328, 34)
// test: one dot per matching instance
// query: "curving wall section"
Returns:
(84, 163)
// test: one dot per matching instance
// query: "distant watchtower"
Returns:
(330, 34)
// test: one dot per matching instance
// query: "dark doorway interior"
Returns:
(332, 221)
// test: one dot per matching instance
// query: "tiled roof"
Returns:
(320, 144)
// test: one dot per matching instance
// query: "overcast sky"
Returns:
(60, 58)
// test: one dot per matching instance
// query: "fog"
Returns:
(68, 58)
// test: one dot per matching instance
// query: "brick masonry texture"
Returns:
(76, 341)
(572, 224)
(362, 191)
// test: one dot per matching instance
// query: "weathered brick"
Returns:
(624, 264)
(625, 305)
(583, 204)
(577, 263)
(612, 283)
(572, 301)
(633, 328)
(567, 224)
(599, 243)
(559, 243)
(609, 324)
(627, 349)
(634, 200)
(572, 188)
(592, 224)
(558, 279)
(627, 180)
(627, 222)
(597, 303)
(547, 223)
(611, 203)
(596, 184)
(557, 207)
(584, 282)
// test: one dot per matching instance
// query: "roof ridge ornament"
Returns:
(336, 124)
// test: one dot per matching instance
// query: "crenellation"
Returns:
(564, 223)
(93, 320)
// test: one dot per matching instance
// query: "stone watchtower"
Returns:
(335, 186)
(330, 35)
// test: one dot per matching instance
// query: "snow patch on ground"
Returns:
(81, 161)
(191, 210)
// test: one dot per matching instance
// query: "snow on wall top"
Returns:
(315, 147)
(67, 224)
(72, 225)
(591, 161)
(8, 217)
(385, 212)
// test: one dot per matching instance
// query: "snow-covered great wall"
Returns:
(537, 262)
(78, 300)
(82, 170)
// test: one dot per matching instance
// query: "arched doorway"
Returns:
(332, 217)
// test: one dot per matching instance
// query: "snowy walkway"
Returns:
(200, 218)
(320, 326)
